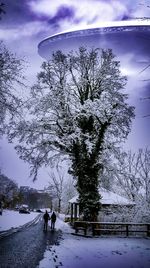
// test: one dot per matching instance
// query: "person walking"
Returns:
(53, 220)
(46, 218)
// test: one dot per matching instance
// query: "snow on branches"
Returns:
(11, 75)
(77, 108)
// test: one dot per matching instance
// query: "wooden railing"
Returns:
(81, 226)
(99, 228)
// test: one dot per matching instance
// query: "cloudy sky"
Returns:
(26, 23)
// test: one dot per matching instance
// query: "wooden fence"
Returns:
(99, 228)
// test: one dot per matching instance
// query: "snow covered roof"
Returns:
(108, 198)
(24, 206)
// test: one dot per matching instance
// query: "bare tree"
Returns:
(133, 174)
(144, 171)
(57, 178)
(132, 179)
(127, 173)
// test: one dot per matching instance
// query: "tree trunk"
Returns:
(59, 205)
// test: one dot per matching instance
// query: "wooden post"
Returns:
(148, 229)
(78, 212)
(75, 211)
(85, 230)
(127, 230)
(71, 212)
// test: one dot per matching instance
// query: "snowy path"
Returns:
(26, 248)
(75, 251)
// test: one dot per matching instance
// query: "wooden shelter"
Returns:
(109, 199)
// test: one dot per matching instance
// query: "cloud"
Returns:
(79, 12)
(142, 11)
(63, 12)
(17, 12)
(29, 29)
(61, 15)
(52, 16)
(46, 7)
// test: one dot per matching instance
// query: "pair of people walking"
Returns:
(46, 218)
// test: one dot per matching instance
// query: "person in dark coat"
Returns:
(46, 218)
(53, 220)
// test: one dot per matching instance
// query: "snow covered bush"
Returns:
(138, 213)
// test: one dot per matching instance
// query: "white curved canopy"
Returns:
(129, 40)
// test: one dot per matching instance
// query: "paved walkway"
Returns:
(25, 248)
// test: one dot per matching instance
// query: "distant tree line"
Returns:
(35, 199)
(9, 192)
(12, 196)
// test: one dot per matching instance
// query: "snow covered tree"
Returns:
(126, 171)
(56, 182)
(61, 184)
(144, 172)
(69, 192)
(8, 191)
(77, 108)
(10, 77)
(132, 172)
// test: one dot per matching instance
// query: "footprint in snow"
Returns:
(116, 252)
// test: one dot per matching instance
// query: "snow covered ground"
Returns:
(101, 252)
(76, 251)
(12, 219)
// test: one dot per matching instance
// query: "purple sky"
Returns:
(26, 23)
